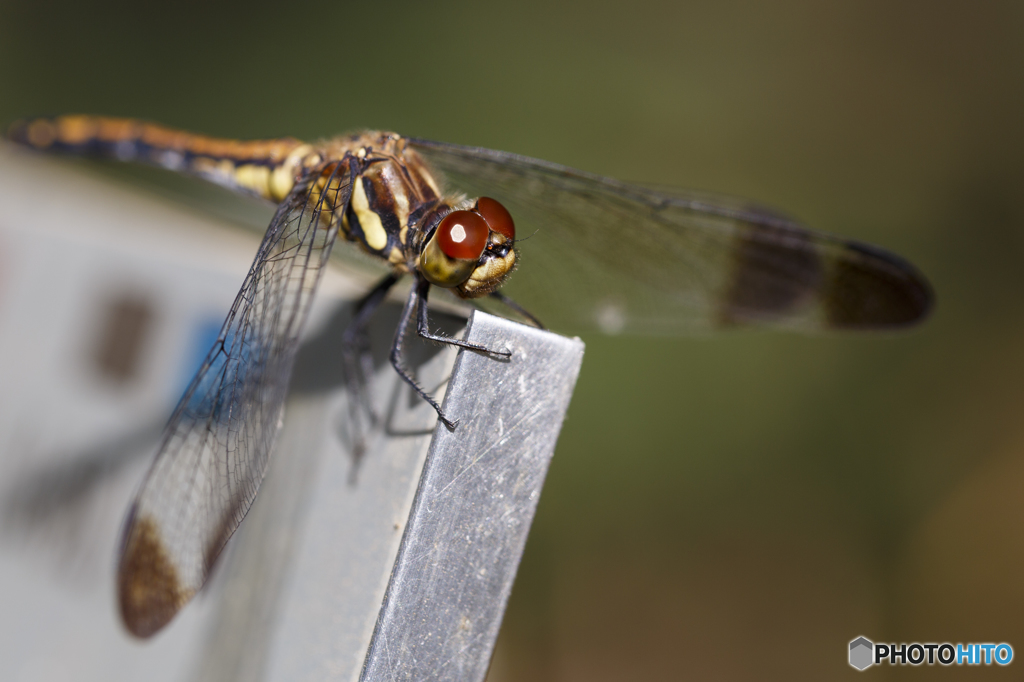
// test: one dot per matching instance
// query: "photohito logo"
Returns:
(864, 653)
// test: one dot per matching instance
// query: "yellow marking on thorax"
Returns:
(374, 234)
(430, 181)
(396, 185)
(396, 256)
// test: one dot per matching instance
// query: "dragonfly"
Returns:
(601, 254)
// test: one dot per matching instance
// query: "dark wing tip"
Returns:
(775, 270)
(149, 589)
(874, 289)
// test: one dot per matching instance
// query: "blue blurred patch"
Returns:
(204, 335)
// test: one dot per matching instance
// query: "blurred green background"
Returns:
(726, 508)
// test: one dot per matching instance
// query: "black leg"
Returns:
(365, 310)
(354, 343)
(357, 363)
(396, 355)
(423, 329)
(509, 303)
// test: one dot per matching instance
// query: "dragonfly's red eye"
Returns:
(462, 235)
(497, 216)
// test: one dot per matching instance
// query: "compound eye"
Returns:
(497, 216)
(462, 235)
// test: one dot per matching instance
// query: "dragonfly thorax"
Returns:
(390, 195)
(397, 212)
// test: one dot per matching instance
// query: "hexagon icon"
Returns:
(861, 653)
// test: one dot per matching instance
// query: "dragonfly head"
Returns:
(472, 250)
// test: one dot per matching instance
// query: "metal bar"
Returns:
(474, 506)
(343, 555)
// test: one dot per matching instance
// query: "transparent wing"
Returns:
(599, 253)
(216, 446)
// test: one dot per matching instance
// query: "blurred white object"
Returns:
(106, 298)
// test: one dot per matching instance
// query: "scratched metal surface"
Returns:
(305, 581)
(474, 506)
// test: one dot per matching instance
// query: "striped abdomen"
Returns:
(266, 168)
